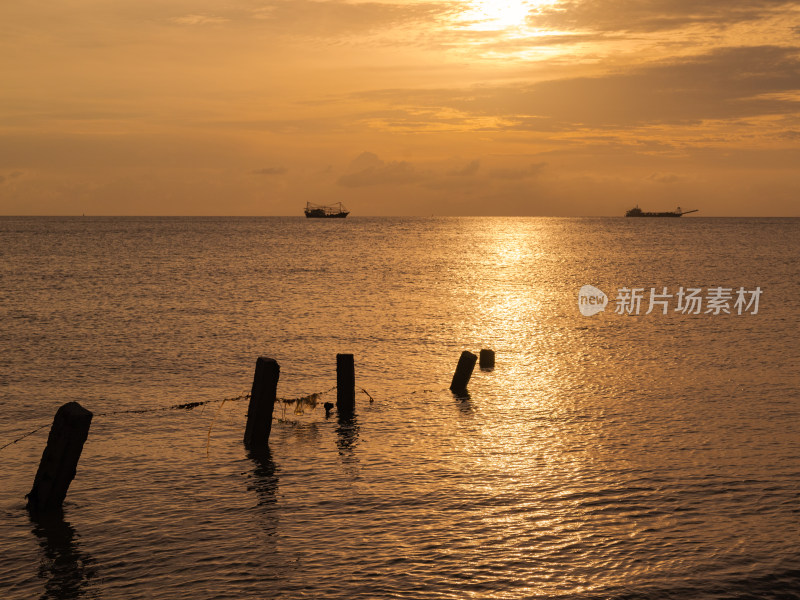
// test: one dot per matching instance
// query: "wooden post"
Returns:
(466, 363)
(486, 360)
(262, 401)
(60, 458)
(345, 384)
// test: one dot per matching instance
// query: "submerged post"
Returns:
(466, 363)
(345, 384)
(262, 401)
(486, 360)
(60, 458)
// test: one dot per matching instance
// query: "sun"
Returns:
(502, 14)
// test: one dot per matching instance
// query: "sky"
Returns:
(551, 107)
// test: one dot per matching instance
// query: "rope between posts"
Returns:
(184, 406)
(308, 400)
(22, 437)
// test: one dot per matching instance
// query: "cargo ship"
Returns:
(318, 211)
(638, 212)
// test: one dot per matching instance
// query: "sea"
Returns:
(650, 450)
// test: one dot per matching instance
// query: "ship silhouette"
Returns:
(638, 212)
(318, 211)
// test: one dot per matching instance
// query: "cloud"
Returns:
(727, 83)
(315, 18)
(363, 161)
(651, 15)
(309, 17)
(470, 169)
(665, 178)
(198, 20)
(271, 171)
(10, 176)
(531, 170)
(539, 40)
(369, 170)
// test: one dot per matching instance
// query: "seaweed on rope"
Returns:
(300, 404)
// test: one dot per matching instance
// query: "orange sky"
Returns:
(566, 108)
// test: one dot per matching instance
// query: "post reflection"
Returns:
(347, 434)
(67, 569)
(264, 481)
(464, 403)
(346, 441)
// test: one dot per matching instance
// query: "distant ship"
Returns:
(318, 211)
(638, 212)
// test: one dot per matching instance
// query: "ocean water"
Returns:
(613, 456)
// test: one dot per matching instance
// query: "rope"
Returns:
(23, 436)
(184, 406)
(309, 400)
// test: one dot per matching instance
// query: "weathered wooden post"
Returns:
(486, 360)
(262, 401)
(466, 363)
(345, 384)
(60, 458)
